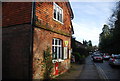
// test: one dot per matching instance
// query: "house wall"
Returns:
(16, 60)
(46, 29)
(14, 13)
(16, 40)
(17, 17)
(42, 40)
(44, 18)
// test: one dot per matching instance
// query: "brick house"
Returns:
(16, 40)
(28, 29)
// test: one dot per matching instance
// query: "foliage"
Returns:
(90, 43)
(85, 42)
(78, 57)
(81, 51)
(111, 42)
(48, 64)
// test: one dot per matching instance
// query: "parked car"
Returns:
(114, 55)
(95, 53)
(101, 54)
(92, 55)
(97, 58)
(106, 57)
(115, 60)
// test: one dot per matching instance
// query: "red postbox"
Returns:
(56, 68)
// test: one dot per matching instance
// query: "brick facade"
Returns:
(16, 13)
(15, 17)
(16, 40)
(43, 39)
(47, 29)
(44, 18)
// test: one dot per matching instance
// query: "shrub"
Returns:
(48, 64)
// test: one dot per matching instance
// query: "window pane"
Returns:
(59, 42)
(52, 41)
(55, 13)
(55, 41)
(55, 52)
(58, 14)
(59, 53)
(60, 17)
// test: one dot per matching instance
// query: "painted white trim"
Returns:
(57, 60)
(59, 56)
(57, 10)
(65, 52)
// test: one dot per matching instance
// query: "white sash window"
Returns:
(57, 48)
(58, 13)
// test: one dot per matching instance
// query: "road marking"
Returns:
(102, 73)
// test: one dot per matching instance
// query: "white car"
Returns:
(106, 56)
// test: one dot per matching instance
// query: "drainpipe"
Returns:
(31, 40)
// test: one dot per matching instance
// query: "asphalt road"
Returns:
(94, 71)
(98, 70)
(107, 71)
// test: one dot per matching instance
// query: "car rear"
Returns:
(97, 58)
(115, 60)
(106, 57)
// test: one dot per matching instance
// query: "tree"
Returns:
(85, 42)
(116, 28)
(89, 43)
(105, 39)
(110, 41)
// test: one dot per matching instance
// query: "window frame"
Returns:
(59, 46)
(65, 53)
(60, 15)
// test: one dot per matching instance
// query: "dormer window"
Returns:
(58, 13)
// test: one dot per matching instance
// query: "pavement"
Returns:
(73, 72)
(81, 71)
(89, 70)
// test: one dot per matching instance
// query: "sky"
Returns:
(89, 18)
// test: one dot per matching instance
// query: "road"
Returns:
(107, 71)
(98, 70)
(93, 71)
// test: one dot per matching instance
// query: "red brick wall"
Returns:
(44, 12)
(16, 52)
(42, 39)
(16, 13)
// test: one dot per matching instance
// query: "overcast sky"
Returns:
(89, 18)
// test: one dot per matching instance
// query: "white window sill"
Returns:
(58, 21)
(57, 60)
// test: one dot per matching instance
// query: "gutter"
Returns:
(33, 14)
(31, 41)
(70, 9)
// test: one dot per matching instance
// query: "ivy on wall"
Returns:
(48, 64)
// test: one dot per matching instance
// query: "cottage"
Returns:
(53, 28)
(28, 30)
